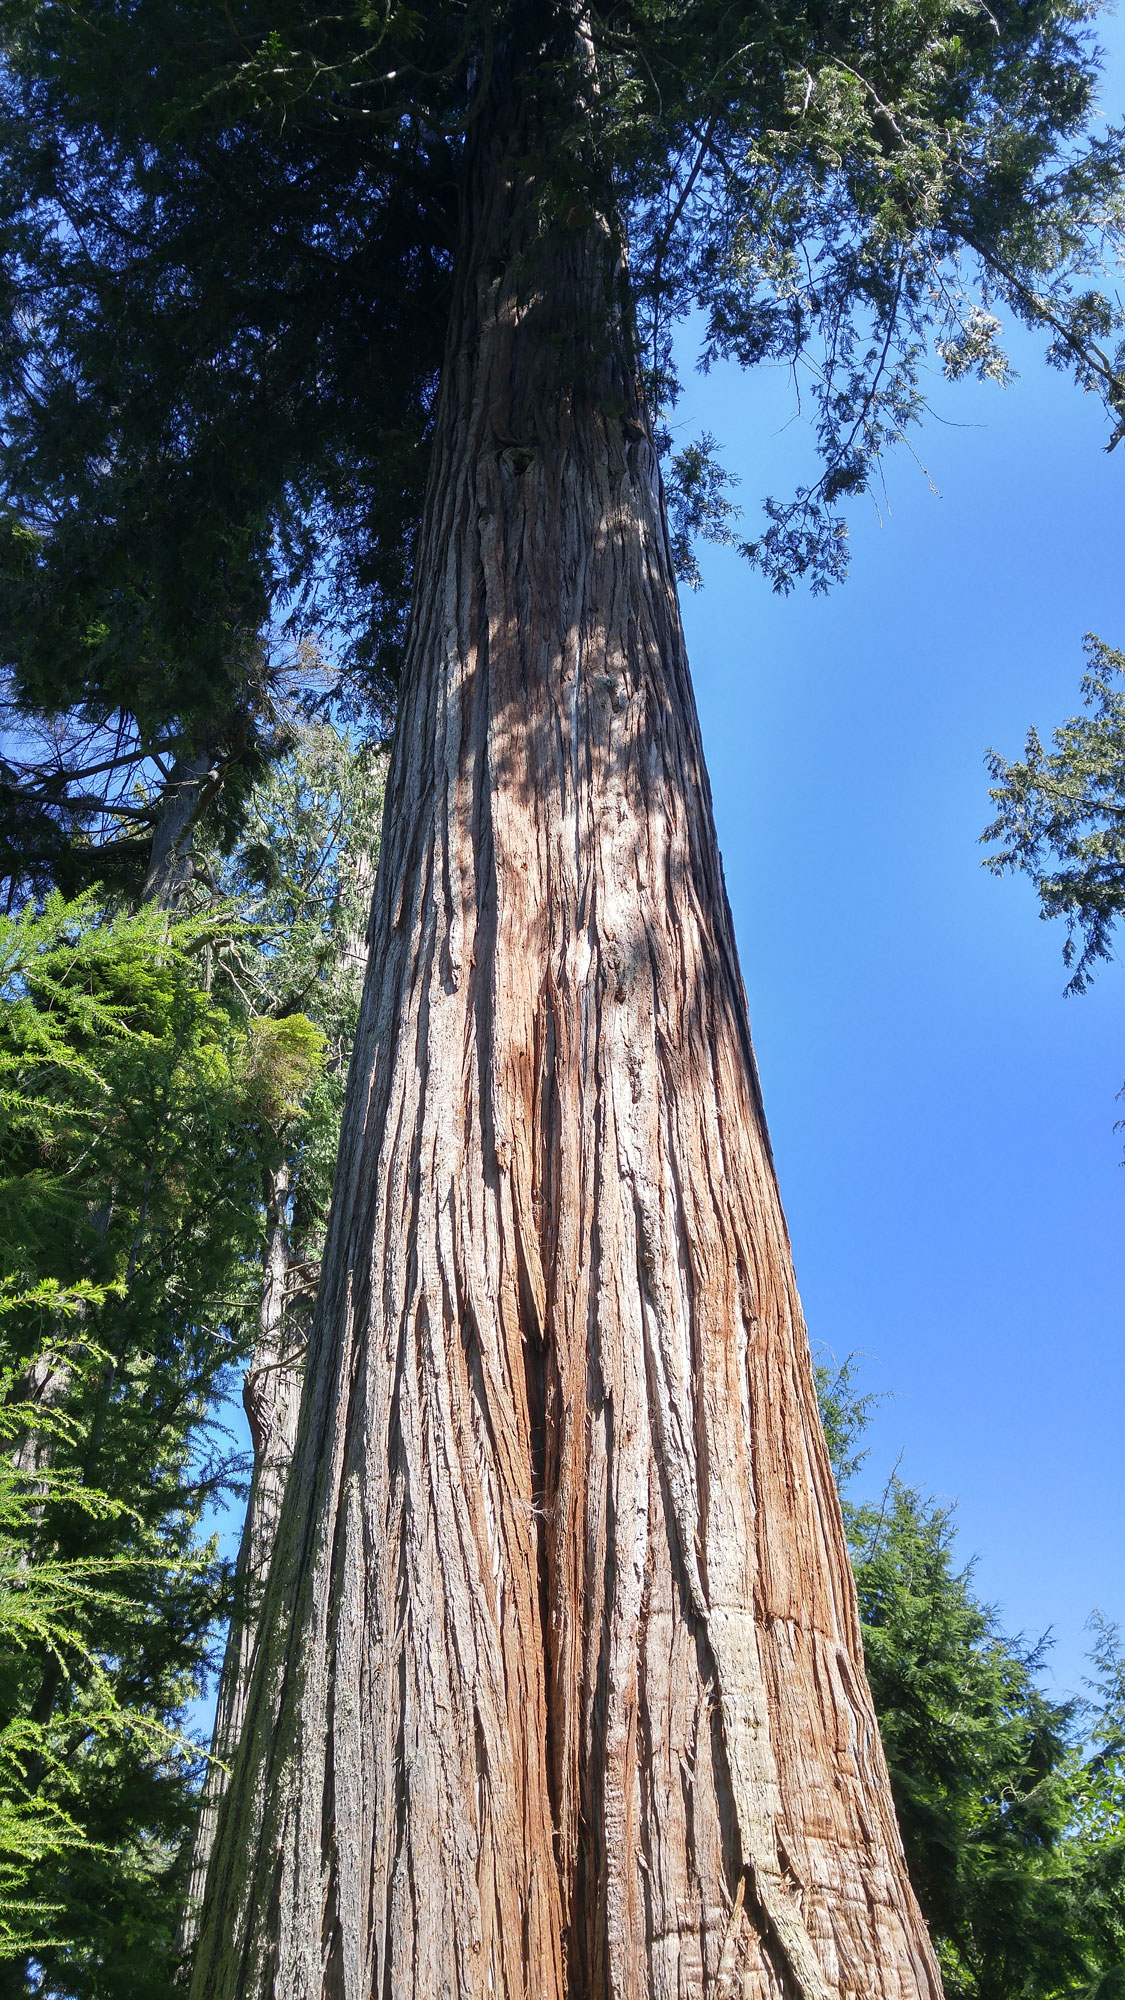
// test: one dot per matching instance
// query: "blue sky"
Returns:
(942, 1116)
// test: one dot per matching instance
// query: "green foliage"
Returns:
(42, 1604)
(1098, 1825)
(130, 1132)
(153, 1075)
(230, 417)
(1061, 816)
(285, 1056)
(696, 488)
(301, 877)
(845, 1415)
(841, 190)
(301, 871)
(1012, 1812)
(227, 290)
(977, 1754)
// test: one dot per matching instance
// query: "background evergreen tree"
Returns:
(301, 877)
(127, 1151)
(156, 1081)
(1011, 1803)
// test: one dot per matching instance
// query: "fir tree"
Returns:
(128, 1164)
(1011, 1802)
(1061, 816)
(207, 1061)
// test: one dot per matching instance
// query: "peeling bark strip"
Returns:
(559, 1690)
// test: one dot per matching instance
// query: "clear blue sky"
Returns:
(942, 1117)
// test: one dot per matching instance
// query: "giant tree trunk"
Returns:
(560, 1688)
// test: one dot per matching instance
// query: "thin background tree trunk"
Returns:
(560, 1687)
(271, 1395)
(192, 778)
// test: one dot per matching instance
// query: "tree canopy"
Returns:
(226, 240)
(1061, 816)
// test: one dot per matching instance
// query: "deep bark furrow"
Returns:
(559, 1693)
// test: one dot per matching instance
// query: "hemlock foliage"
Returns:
(1061, 816)
(1011, 1803)
(128, 1238)
(152, 1072)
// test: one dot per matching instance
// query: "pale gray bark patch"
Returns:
(193, 779)
(44, 1386)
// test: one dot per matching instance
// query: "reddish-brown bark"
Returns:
(560, 1687)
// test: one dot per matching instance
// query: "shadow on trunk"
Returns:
(559, 1689)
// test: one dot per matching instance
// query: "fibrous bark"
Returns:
(560, 1687)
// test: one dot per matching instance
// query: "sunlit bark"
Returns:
(560, 1687)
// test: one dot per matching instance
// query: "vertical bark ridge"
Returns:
(560, 1688)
